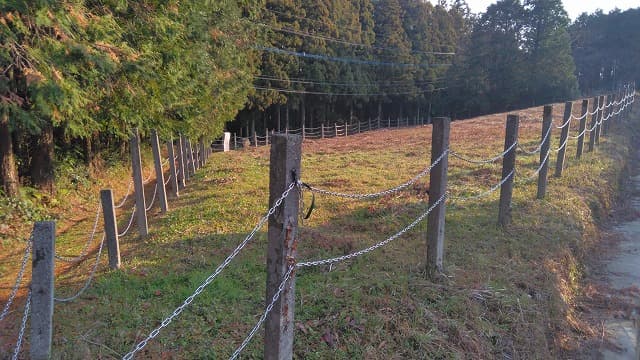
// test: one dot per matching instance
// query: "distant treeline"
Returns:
(76, 76)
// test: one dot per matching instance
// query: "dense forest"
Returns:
(76, 76)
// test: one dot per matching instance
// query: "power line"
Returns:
(343, 59)
(291, 91)
(345, 42)
(374, 84)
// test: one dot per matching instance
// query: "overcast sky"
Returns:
(573, 7)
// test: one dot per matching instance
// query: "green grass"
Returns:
(507, 291)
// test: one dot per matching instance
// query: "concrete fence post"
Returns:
(138, 185)
(564, 137)
(547, 120)
(508, 167)
(110, 228)
(582, 127)
(282, 245)
(157, 162)
(173, 172)
(42, 278)
(437, 189)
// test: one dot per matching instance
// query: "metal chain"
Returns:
(85, 250)
(23, 326)
(148, 179)
(378, 245)
(537, 149)
(565, 123)
(539, 167)
(483, 161)
(14, 291)
(563, 145)
(262, 319)
(126, 196)
(581, 117)
(88, 282)
(211, 277)
(155, 191)
(384, 192)
(133, 214)
(579, 135)
(486, 193)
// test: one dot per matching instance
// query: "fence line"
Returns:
(201, 153)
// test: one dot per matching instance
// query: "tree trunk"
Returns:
(42, 170)
(8, 170)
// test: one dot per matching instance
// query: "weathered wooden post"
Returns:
(369, 124)
(564, 138)
(600, 117)
(42, 277)
(335, 126)
(281, 250)
(322, 130)
(138, 185)
(346, 129)
(582, 128)
(192, 160)
(594, 123)
(157, 161)
(173, 172)
(182, 160)
(359, 131)
(388, 121)
(508, 169)
(202, 152)
(378, 122)
(255, 139)
(547, 119)
(437, 189)
(266, 136)
(398, 122)
(235, 141)
(605, 113)
(110, 228)
(304, 131)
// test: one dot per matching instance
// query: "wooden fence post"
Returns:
(322, 130)
(266, 136)
(192, 161)
(378, 122)
(437, 189)
(346, 129)
(138, 185)
(547, 119)
(182, 163)
(282, 244)
(335, 126)
(600, 117)
(157, 160)
(388, 121)
(359, 131)
(609, 113)
(582, 128)
(202, 157)
(508, 169)
(369, 124)
(303, 131)
(42, 278)
(564, 138)
(110, 228)
(592, 126)
(255, 139)
(235, 141)
(173, 173)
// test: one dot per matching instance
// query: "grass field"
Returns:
(506, 293)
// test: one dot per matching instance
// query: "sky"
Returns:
(573, 7)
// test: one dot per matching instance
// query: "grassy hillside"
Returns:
(506, 293)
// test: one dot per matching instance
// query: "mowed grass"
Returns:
(505, 292)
